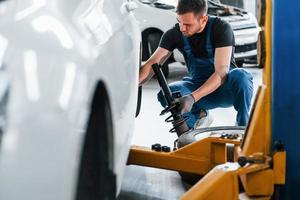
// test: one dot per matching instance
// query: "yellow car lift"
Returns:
(259, 169)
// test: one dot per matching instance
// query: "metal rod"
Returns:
(179, 123)
(163, 84)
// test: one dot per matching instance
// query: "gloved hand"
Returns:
(186, 103)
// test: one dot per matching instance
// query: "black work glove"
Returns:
(186, 103)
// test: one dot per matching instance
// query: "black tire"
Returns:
(96, 179)
(152, 44)
(261, 12)
(261, 50)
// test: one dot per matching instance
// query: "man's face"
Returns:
(190, 23)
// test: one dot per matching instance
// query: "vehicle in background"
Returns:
(236, 3)
(157, 16)
(69, 82)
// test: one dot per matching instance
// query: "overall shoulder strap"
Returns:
(208, 43)
(211, 21)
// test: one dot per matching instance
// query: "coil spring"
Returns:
(170, 119)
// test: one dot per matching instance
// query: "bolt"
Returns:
(165, 149)
(156, 147)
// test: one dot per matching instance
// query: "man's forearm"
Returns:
(145, 73)
(222, 63)
(213, 83)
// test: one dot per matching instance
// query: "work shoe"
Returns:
(205, 120)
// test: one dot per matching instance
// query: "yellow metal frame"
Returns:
(198, 158)
(258, 181)
(259, 129)
(208, 156)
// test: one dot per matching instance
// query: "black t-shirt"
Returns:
(221, 36)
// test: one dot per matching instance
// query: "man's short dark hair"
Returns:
(198, 7)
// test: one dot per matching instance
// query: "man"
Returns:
(207, 44)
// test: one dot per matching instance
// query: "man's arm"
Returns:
(222, 63)
(159, 56)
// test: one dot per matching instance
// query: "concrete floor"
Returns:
(156, 184)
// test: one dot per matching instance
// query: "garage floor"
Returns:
(156, 184)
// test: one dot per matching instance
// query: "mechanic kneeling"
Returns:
(207, 44)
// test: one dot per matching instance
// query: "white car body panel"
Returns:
(57, 52)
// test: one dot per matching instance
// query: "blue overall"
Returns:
(236, 91)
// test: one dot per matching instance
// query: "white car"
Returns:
(68, 94)
(157, 16)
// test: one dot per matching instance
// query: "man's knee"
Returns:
(241, 79)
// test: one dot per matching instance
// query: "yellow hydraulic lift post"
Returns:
(258, 179)
(262, 169)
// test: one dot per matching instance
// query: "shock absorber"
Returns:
(179, 122)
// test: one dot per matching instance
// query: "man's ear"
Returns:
(205, 18)
(202, 18)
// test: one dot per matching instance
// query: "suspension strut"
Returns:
(178, 121)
